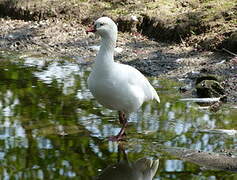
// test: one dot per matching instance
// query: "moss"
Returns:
(207, 86)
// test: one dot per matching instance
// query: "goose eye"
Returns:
(101, 24)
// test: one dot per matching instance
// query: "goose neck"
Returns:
(105, 55)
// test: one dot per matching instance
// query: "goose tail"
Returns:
(155, 95)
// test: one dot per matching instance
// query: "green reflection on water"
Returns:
(52, 128)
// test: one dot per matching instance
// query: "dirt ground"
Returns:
(60, 32)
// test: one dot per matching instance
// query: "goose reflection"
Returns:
(141, 169)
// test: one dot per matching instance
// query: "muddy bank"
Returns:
(58, 29)
(204, 24)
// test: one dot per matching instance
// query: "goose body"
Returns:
(121, 88)
(116, 86)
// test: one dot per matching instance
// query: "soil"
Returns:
(180, 40)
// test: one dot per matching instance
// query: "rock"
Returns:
(210, 160)
(207, 86)
(231, 42)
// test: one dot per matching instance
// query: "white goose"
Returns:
(116, 86)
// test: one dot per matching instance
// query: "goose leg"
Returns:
(121, 134)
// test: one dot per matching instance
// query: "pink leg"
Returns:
(121, 134)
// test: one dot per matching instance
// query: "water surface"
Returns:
(52, 128)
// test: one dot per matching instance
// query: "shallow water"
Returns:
(52, 128)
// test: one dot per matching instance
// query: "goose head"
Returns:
(105, 27)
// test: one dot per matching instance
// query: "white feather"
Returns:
(117, 86)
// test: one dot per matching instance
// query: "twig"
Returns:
(226, 50)
(182, 41)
